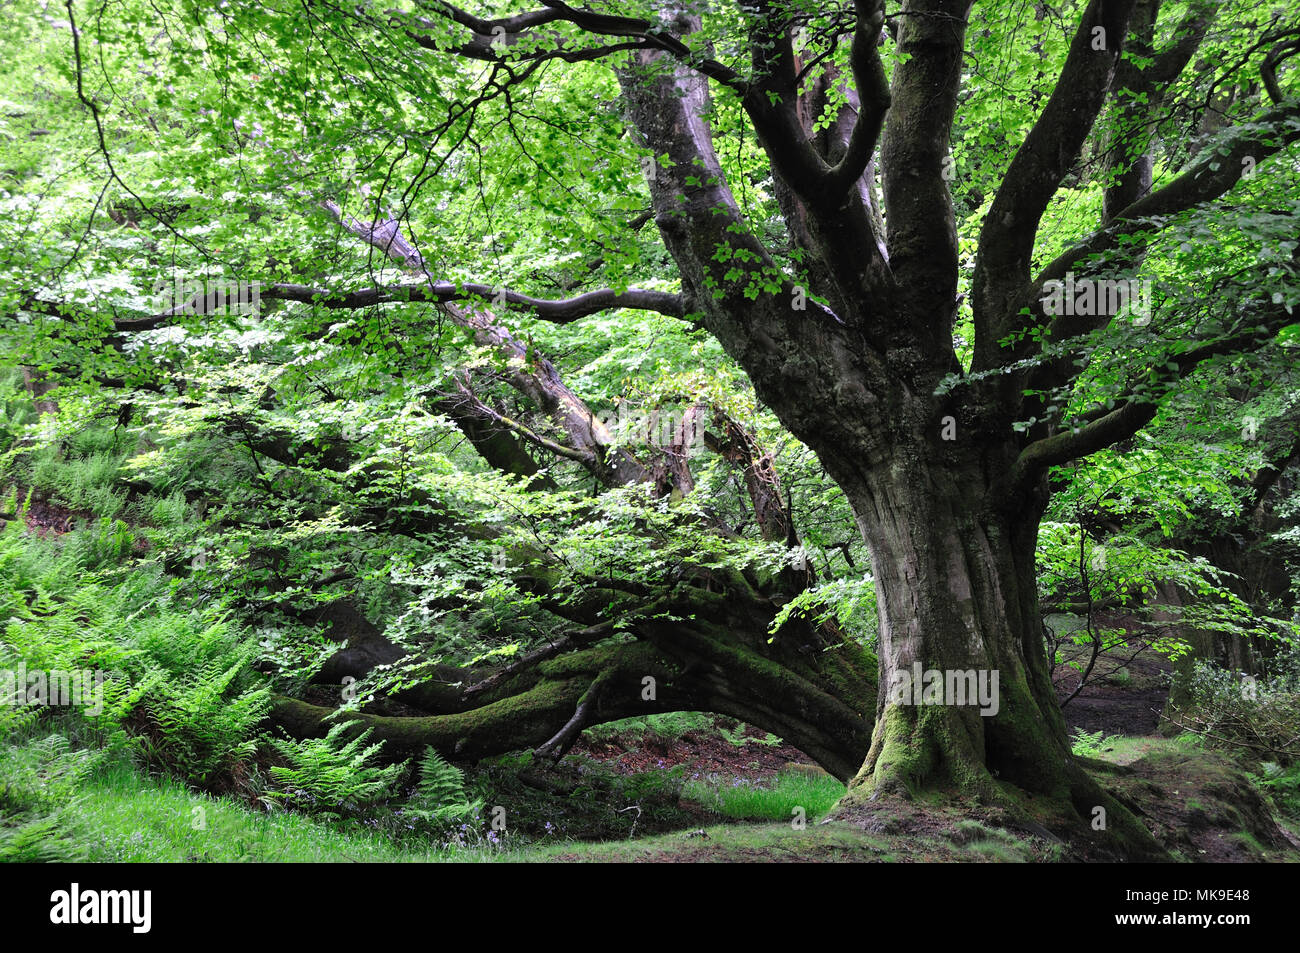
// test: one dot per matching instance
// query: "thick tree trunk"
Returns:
(954, 564)
(957, 593)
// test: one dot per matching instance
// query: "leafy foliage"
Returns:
(440, 796)
(1259, 715)
(333, 775)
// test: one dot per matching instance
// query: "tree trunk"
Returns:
(954, 563)
(805, 684)
(957, 593)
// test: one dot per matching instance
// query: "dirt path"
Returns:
(1120, 705)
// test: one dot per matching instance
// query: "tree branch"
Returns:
(922, 239)
(491, 37)
(873, 93)
(556, 311)
(1210, 177)
(1006, 241)
(1139, 410)
(1137, 93)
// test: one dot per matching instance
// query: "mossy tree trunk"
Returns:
(807, 685)
(952, 535)
(954, 568)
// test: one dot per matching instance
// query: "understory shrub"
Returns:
(1260, 713)
(333, 775)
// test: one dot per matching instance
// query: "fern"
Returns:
(1091, 744)
(440, 795)
(203, 729)
(39, 780)
(328, 773)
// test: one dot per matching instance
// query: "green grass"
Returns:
(774, 800)
(668, 727)
(1125, 749)
(828, 842)
(987, 843)
(730, 844)
(664, 728)
(121, 816)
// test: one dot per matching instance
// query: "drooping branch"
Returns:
(558, 746)
(714, 655)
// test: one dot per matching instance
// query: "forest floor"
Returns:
(1198, 803)
(692, 787)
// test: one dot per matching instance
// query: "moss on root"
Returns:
(917, 746)
(928, 755)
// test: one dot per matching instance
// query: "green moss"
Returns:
(630, 656)
(512, 722)
(1248, 840)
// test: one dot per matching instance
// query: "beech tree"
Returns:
(953, 246)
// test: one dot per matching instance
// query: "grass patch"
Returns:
(730, 844)
(777, 799)
(663, 728)
(121, 816)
